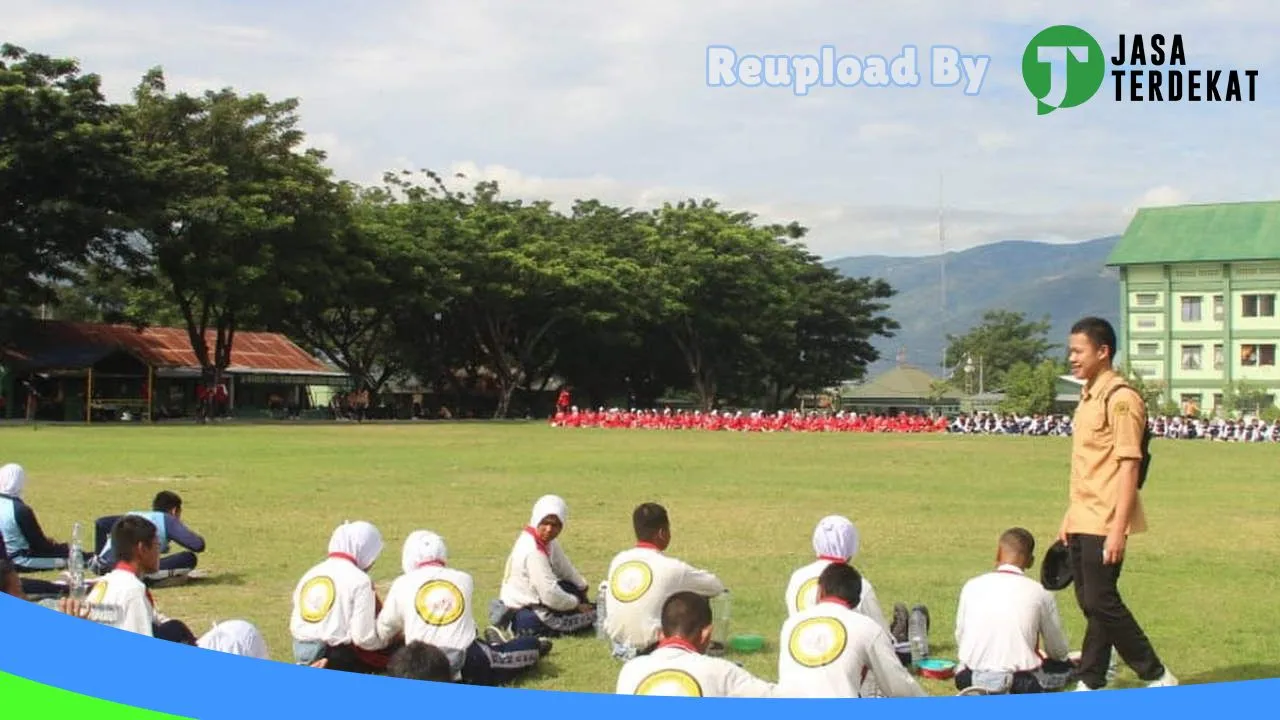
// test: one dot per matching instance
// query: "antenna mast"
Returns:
(942, 276)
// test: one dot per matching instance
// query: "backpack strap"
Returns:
(1145, 464)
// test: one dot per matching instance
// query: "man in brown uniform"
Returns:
(1106, 450)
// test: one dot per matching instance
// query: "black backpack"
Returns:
(1146, 440)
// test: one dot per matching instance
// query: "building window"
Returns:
(1258, 306)
(1146, 323)
(1218, 357)
(1217, 400)
(1218, 309)
(1258, 355)
(1192, 357)
(1143, 371)
(1191, 308)
(1145, 299)
(1148, 349)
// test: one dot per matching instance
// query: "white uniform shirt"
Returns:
(679, 670)
(1000, 618)
(432, 604)
(121, 588)
(831, 650)
(532, 573)
(802, 593)
(640, 581)
(334, 603)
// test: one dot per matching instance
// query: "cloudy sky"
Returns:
(597, 98)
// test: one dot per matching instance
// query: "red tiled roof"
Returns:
(171, 347)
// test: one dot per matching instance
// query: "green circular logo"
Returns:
(1063, 67)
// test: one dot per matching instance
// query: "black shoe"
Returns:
(544, 647)
(901, 619)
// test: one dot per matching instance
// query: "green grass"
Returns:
(929, 508)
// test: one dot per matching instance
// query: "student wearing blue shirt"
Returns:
(25, 545)
(166, 515)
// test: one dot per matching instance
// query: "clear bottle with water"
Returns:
(602, 598)
(75, 567)
(918, 637)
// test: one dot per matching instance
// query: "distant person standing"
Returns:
(564, 400)
(1105, 507)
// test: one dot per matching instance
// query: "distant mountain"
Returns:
(1065, 282)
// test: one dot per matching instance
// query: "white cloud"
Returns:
(576, 98)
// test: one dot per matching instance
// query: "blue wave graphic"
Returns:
(102, 662)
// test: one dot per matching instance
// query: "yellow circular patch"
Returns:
(439, 603)
(316, 599)
(817, 642)
(807, 595)
(98, 592)
(670, 683)
(631, 581)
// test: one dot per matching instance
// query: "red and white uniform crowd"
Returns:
(739, 421)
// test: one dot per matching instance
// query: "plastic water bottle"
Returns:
(602, 601)
(75, 566)
(918, 636)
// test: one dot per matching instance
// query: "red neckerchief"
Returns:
(836, 601)
(344, 556)
(429, 563)
(648, 546)
(678, 642)
(542, 546)
(131, 568)
(836, 560)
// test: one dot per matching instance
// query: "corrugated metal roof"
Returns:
(167, 347)
(1225, 232)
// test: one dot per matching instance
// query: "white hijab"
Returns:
(421, 547)
(12, 479)
(835, 536)
(549, 505)
(236, 637)
(360, 540)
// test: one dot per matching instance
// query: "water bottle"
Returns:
(602, 601)
(75, 566)
(918, 636)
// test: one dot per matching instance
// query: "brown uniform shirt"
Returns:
(1103, 433)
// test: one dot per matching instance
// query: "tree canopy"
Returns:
(206, 211)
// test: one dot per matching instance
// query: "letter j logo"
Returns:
(1063, 67)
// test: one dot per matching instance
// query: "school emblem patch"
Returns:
(439, 603)
(817, 642)
(670, 683)
(807, 595)
(1121, 408)
(631, 581)
(316, 599)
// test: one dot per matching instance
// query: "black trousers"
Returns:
(1109, 622)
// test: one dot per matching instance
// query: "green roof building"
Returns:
(1198, 287)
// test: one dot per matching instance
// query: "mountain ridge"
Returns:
(1065, 281)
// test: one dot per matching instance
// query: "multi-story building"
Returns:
(1198, 291)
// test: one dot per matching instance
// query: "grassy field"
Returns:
(929, 509)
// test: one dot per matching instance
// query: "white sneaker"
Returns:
(1165, 680)
(1081, 687)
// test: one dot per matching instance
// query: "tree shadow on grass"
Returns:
(229, 579)
(1233, 673)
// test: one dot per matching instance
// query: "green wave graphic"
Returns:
(38, 700)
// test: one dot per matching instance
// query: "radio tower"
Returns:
(942, 277)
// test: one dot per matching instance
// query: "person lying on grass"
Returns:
(166, 515)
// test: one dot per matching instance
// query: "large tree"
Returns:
(1003, 339)
(67, 180)
(235, 204)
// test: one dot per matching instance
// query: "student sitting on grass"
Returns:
(420, 661)
(138, 553)
(25, 544)
(543, 594)
(431, 603)
(335, 604)
(166, 515)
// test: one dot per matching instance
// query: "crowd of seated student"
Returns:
(834, 642)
